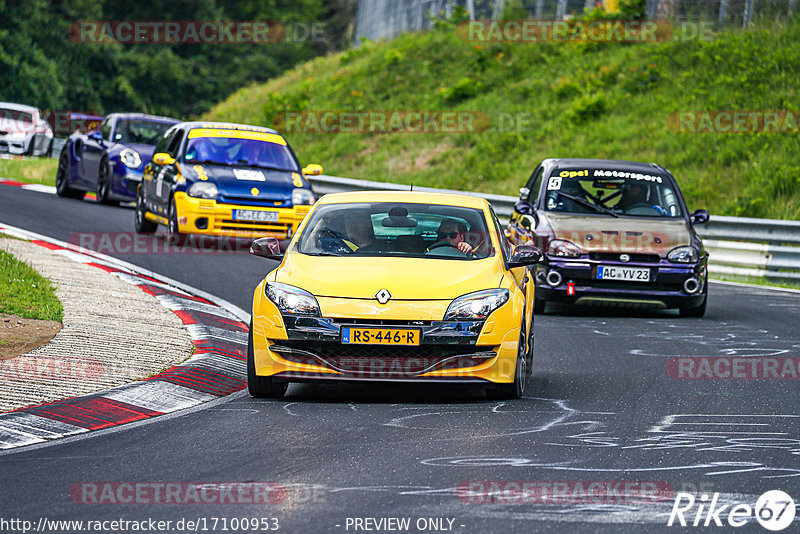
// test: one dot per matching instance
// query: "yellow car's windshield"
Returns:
(397, 229)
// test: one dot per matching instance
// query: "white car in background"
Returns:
(23, 131)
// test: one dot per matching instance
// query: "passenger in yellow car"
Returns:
(359, 231)
(451, 239)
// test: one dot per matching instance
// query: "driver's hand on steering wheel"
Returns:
(465, 247)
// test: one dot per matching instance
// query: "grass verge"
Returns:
(26, 293)
(30, 170)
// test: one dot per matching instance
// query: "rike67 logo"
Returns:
(774, 510)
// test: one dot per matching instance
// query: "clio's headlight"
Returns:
(17, 136)
(292, 300)
(302, 197)
(684, 254)
(203, 190)
(477, 305)
(563, 249)
(130, 158)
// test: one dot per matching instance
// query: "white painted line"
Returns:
(20, 429)
(41, 188)
(158, 396)
(201, 331)
(178, 304)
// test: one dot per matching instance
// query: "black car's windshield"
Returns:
(140, 131)
(240, 149)
(617, 193)
(397, 229)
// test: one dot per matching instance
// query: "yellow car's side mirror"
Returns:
(162, 158)
(312, 169)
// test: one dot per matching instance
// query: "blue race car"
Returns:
(110, 160)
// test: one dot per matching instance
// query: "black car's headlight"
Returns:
(683, 254)
(292, 300)
(564, 249)
(202, 190)
(130, 158)
(477, 305)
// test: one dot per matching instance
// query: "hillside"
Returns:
(610, 100)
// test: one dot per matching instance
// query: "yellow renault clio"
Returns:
(398, 287)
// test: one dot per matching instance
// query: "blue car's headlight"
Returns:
(302, 196)
(292, 300)
(203, 190)
(130, 158)
(477, 305)
(683, 254)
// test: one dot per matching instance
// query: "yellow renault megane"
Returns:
(394, 286)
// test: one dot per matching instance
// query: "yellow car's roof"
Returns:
(413, 197)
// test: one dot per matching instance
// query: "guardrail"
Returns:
(737, 246)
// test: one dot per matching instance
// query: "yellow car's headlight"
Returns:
(292, 300)
(477, 305)
(203, 190)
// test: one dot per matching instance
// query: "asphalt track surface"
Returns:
(602, 407)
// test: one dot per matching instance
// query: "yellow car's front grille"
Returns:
(227, 224)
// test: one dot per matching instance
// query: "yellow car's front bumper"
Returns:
(306, 349)
(207, 216)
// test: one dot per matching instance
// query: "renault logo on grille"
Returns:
(624, 258)
(383, 296)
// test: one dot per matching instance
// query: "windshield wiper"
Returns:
(589, 205)
(245, 163)
(211, 162)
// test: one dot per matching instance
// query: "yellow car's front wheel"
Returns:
(515, 389)
(262, 387)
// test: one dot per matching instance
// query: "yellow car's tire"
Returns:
(173, 227)
(142, 225)
(515, 389)
(262, 387)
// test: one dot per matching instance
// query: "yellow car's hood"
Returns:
(623, 234)
(405, 278)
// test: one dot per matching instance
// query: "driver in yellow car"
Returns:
(454, 232)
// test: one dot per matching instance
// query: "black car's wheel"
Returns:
(62, 177)
(104, 183)
(695, 311)
(173, 218)
(262, 387)
(143, 226)
(516, 389)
